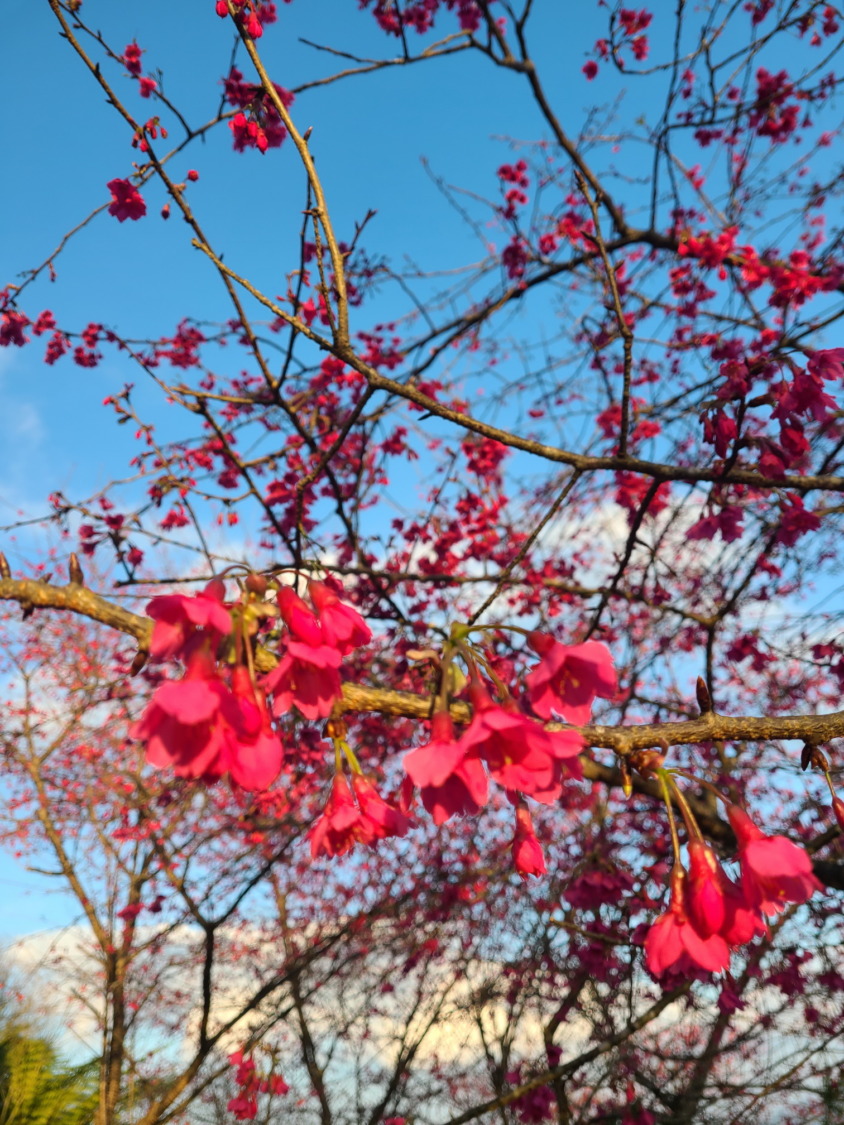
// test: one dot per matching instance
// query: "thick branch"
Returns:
(622, 740)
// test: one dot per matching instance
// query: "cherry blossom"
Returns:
(673, 944)
(126, 201)
(568, 678)
(450, 779)
(774, 871)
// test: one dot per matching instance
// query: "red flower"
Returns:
(527, 851)
(715, 904)
(132, 58)
(307, 676)
(774, 871)
(178, 620)
(673, 945)
(255, 751)
(342, 626)
(450, 780)
(568, 677)
(126, 201)
(705, 897)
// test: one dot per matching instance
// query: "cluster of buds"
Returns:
(249, 15)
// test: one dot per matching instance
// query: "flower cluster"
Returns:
(709, 914)
(308, 673)
(506, 746)
(362, 818)
(215, 720)
(258, 124)
(245, 1105)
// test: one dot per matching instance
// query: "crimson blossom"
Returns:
(126, 201)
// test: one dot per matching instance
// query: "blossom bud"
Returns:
(704, 699)
(75, 570)
(5, 569)
(838, 809)
(626, 779)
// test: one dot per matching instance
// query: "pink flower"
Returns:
(705, 890)
(342, 626)
(255, 750)
(183, 724)
(298, 617)
(307, 676)
(715, 904)
(126, 201)
(568, 677)
(341, 826)
(527, 851)
(201, 729)
(132, 58)
(519, 753)
(450, 781)
(179, 619)
(381, 818)
(673, 945)
(774, 871)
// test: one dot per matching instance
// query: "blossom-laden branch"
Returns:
(243, 742)
(623, 740)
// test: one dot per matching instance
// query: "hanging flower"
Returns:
(774, 871)
(673, 945)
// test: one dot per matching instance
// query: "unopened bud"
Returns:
(806, 756)
(139, 660)
(5, 570)
(838, 809)
(75, 570)
(45, 578)
(704, 699)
